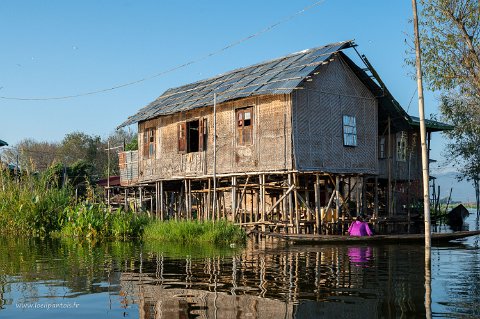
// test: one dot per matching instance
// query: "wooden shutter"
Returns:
(145, 143)
(182, 137)
(202, 126)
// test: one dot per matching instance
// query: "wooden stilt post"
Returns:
(262, 198)
(357, 194)
(187, 198)
(375, 211)
(307, 197)
(297, 209)
(141, 197)
(364, 198)
(126, 199)
(251, 204)
(209, 202)
(157, 200)
(234, 198)
(317, 204)
(389, 168)
(290, 200)
(337, 197)
(162, 211)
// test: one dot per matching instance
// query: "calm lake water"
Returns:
(267, 279)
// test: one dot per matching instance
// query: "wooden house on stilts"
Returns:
(302, 143)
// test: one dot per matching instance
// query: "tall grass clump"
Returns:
(95, 220)
(190, 232)
(35, 204)
(29, 204)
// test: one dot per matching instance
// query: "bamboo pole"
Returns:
(214, 156)
(317, 203)
(290, 200)
(423, 131)
(297, 210)
(234, 198)
(162, 211)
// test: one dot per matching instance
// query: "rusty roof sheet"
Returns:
(278, 76)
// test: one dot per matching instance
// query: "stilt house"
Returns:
(303, 141)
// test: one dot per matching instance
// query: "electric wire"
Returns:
(213, 53)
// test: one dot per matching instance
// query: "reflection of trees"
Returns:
(461, 274)
(79, 267)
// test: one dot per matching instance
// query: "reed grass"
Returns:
(34, 205)
(190, 232)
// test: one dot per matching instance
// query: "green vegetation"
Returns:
(450, 41)
(34, 204)
(95, 220)
(189, 232)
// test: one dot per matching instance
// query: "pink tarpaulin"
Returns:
(359, 228)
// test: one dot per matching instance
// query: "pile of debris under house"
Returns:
(303, 143)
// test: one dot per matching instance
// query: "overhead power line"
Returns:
(119, 86)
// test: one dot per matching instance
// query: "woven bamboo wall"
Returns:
(318, 110)
(270, 151)
(411, 168)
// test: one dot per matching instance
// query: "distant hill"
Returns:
(461, 191)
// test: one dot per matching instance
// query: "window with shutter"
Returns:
(244, 123)
(149, 143)
(349, 131)
(182, 137)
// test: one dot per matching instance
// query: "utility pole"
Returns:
(214, 207)
(108, 174)
(423, 131)
(425, 172)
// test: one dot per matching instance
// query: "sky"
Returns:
(60, 48)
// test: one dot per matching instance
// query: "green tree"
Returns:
(449, 39)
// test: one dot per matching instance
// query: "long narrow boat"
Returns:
(398, 238)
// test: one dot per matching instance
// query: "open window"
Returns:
(349, 131)
(149, 143)
(402, 139)
(244, 123)
(192, 135)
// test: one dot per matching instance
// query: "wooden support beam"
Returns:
(157, 200)
(262, 195)
(280, 200)
(317, 204)
(297, 208)
(209, 203)
(290, 200)
(162, 211)
(242, 196)
(375, 211)
(234, 198)
(337, 197)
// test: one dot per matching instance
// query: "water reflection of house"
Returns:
(157, 301)
(298, 282)
(302, 140)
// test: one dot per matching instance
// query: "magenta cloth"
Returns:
(358, 228)
(359, 255)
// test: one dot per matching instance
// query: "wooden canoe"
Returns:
(391, 239)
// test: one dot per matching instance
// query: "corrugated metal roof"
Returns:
(278, 76)
(431, 125)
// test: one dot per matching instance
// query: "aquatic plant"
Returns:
(30, 204)
(188, 232)
(96, 220)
